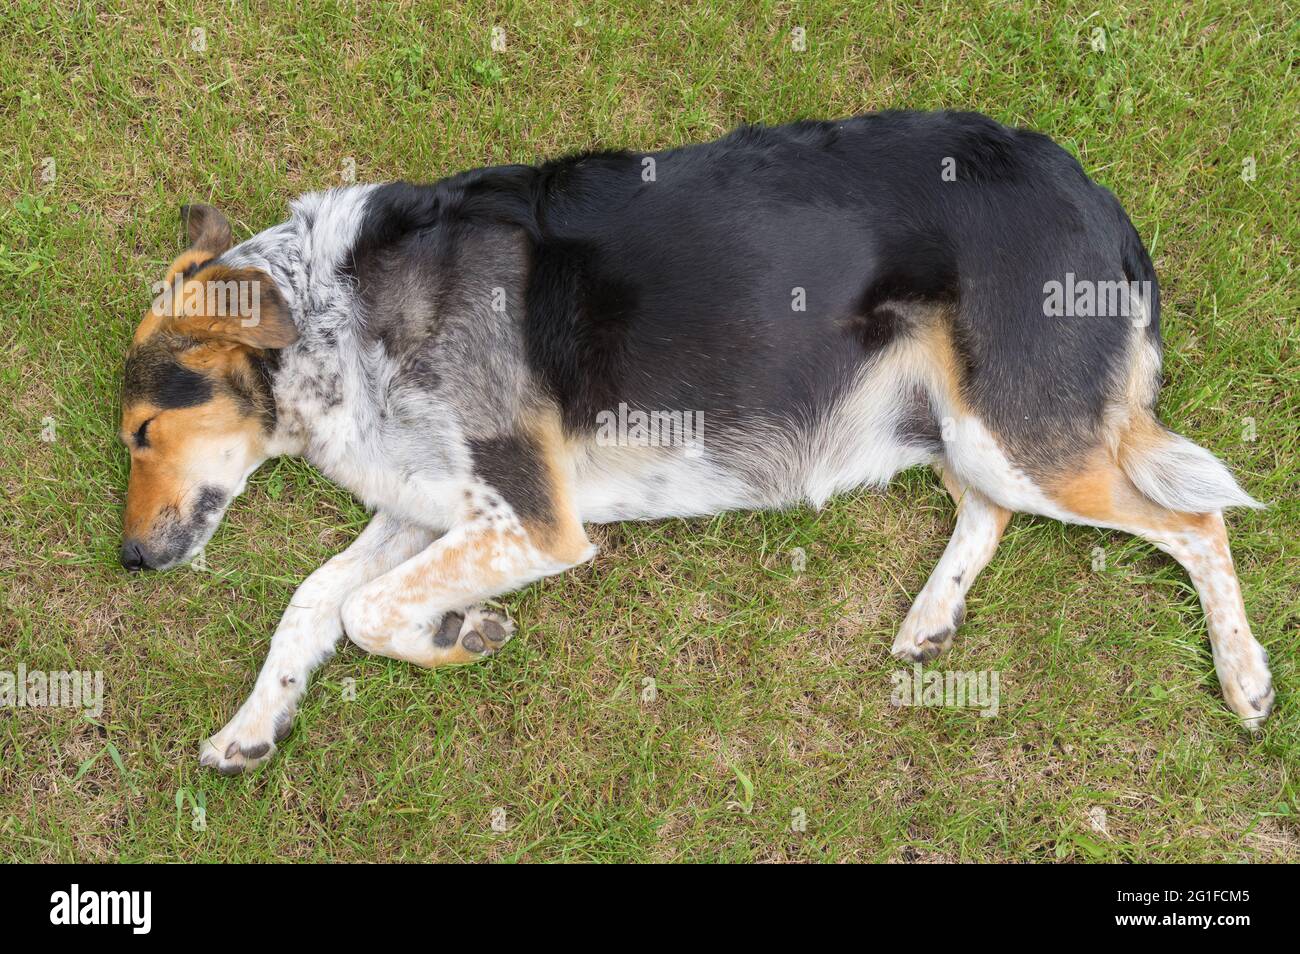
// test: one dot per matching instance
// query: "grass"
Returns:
(772, 686)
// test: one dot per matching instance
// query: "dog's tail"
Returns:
(1166, 467)
(1175, 473)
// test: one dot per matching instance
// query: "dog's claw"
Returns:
(917, 643)
(248, 740)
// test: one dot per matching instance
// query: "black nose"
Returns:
(132, 556)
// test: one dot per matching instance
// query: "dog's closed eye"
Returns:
(142, 434)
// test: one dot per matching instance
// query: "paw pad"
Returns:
(475, 633)
(479, 632)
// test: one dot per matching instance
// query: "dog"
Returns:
(491, 361)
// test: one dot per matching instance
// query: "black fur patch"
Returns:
(920, 266)
(154, 375)
(513, 466)
(251, 387)
(263, 365)
(399, 210)
(578, 320)
(210, 500)
(710, 289)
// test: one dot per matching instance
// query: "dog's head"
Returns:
(197, 409)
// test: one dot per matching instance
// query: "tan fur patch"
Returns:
(158, 477)
(935, 337)
(158, 316)
(1102, 493)
(562, 537)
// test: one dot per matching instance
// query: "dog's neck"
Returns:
(324, 395)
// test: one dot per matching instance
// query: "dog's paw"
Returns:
(472, 635)
(1248, 687)
(248, 740)
(927, 631)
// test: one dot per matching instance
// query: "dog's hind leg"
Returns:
(941, 605)
(1172, 493)
(307, 635)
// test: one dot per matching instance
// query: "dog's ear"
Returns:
(208, 235)
(206, 229)
(227, 306)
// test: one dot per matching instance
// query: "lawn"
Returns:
(704, 690)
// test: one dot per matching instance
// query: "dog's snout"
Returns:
(133, 556)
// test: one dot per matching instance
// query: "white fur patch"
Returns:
(1184, 477)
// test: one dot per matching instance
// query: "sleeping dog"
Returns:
(494, 360)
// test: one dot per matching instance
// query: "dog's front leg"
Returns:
(424, 610)
(307, 635)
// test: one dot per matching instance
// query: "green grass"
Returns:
(772, 686)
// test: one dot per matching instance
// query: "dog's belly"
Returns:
(772, 470)
(612, 487)
(648, 483)
(882, 424)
